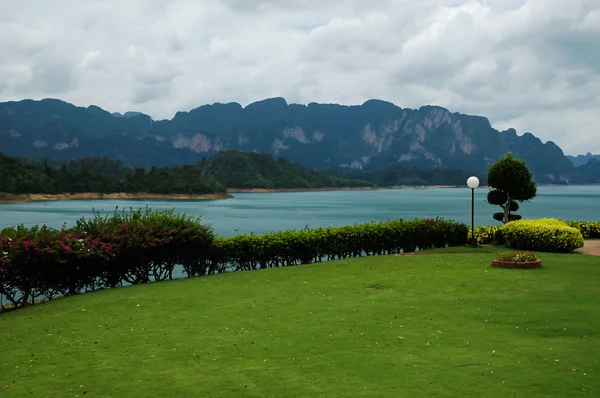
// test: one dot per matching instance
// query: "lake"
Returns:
(266, 212)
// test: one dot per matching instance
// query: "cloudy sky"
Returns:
(529, 64)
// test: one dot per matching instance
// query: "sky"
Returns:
(533, 65)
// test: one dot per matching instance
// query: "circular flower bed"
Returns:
(517, 264)
(517, 260)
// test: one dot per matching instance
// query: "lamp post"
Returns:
(473, 182)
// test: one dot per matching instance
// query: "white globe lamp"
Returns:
(473, 182)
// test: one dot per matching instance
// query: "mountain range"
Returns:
(580, 160)
(363, 137)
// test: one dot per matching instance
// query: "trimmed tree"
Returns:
(511, 182)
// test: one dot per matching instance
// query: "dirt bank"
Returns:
(12, 198)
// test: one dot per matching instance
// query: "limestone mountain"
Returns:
(580, 160)
(373, 135)
(589, 173)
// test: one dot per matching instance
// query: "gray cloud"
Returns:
(529, 64)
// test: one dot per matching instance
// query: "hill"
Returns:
(410, 175)
(236, 169)
(581, 160)
(589, 173)
(373, 135)
(229, 169)
(101, 175)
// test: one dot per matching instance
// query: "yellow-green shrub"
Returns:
(589, 229)
(551, 221)
(486, 234)
(548, 235)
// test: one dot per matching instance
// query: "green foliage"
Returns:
(487, 234)
(547, 235)
(232, 169)
(101, 175)
(256, 170)
(511, 182)
(493, 234)
(589, 229)
(147, 244)
(249, 252)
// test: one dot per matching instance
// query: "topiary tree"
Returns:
(511, 182)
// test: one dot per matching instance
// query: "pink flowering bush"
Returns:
(148, 244)
(103, 252)
(42, 261)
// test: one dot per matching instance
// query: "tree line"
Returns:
(214, 174)
(229, 169)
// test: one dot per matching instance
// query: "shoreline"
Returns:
(274, 190)
(21, 198)
(376, 188)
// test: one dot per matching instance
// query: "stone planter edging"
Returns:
(517, 264)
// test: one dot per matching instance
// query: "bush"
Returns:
(148, 244)
(547, 235)
(488, 234)
(287, 248)
(46, 262)
(493, 234)
(589, 229)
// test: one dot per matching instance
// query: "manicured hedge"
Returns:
(249, 252)
(546, 235)
(141, 246)
(589, 229)
(488, 234)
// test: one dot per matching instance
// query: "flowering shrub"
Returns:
(103, 252)
(148, 244)
(519, 257)
(42, 261)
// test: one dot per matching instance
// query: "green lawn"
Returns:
(443, 325)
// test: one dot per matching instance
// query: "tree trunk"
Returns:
(507, 210)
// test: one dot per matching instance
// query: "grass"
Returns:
(443, 325)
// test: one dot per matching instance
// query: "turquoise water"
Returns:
(265, 212)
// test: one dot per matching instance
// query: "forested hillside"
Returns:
(101, 175)
(410, 175)
(215, 174)
(236, 169)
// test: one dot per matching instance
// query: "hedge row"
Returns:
(279, 249)
(141, 246)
